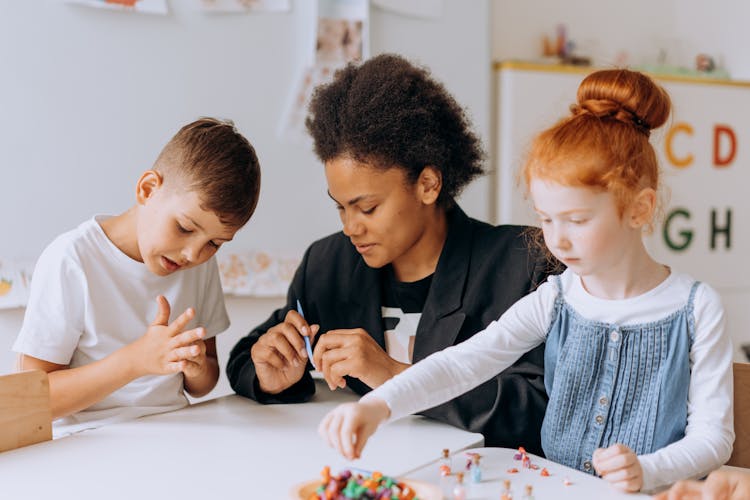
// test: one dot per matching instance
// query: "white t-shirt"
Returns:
(710, 429)
(88, 299)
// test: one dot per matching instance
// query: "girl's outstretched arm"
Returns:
(348, 426)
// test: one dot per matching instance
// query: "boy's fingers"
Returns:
(184, 353)
(182, 320)
(187, 338)
(174, 367)
(163, 311)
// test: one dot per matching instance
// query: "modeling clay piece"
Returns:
(358, 486)
(528, 495)
(476, 470)
(444, 464)
(459, 492)
(506, 494)
(544, 473)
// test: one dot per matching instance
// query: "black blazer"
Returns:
(481, 271)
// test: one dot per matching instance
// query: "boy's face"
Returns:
(173, 231)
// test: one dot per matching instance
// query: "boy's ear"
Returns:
(429, 184)
(149, 182)
(643, 208)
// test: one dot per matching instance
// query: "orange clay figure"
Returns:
(406, 492)
(544, 473)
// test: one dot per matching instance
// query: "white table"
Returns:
(229, 447)
(496, 462)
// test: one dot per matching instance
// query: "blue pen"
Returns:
(308, 347)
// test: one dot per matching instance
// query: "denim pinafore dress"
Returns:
(612, 384)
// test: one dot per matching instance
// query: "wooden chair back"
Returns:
(741, 453)
(25, 414)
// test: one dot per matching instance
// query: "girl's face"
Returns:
(173, 231)
(582, 227)
(384, 216)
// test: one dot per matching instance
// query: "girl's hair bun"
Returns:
(628, 96)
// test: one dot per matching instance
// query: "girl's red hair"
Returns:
(604, 143)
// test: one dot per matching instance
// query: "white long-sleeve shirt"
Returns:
(710, 428)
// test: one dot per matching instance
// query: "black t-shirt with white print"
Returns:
(401, 309)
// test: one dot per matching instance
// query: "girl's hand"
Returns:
(348, 426)
(619, 465)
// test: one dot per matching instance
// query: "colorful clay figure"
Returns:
(459, 492)
(528, 495)
(360, 487)
(476, 470)
(445, 460)
(507, 493)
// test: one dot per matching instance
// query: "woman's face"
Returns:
(383, 214)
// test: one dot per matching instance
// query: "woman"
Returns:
(411, 273)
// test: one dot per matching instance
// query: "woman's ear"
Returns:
(643, 208)
(429, 185)
(149, 182)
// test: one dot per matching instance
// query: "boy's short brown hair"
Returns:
(218, 163)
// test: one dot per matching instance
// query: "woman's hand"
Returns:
(354, 353)
(279, 354)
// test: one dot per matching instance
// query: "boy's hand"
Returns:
(619, 465)
(165, 348)
(193, 361)
(279, 354)
(348, 426)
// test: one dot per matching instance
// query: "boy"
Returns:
(111, 352)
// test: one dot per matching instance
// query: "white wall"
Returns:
(641, 27)
(90, 96)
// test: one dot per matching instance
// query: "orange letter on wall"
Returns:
(686, 160)
(720, 130)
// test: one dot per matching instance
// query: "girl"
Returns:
(637, 363)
